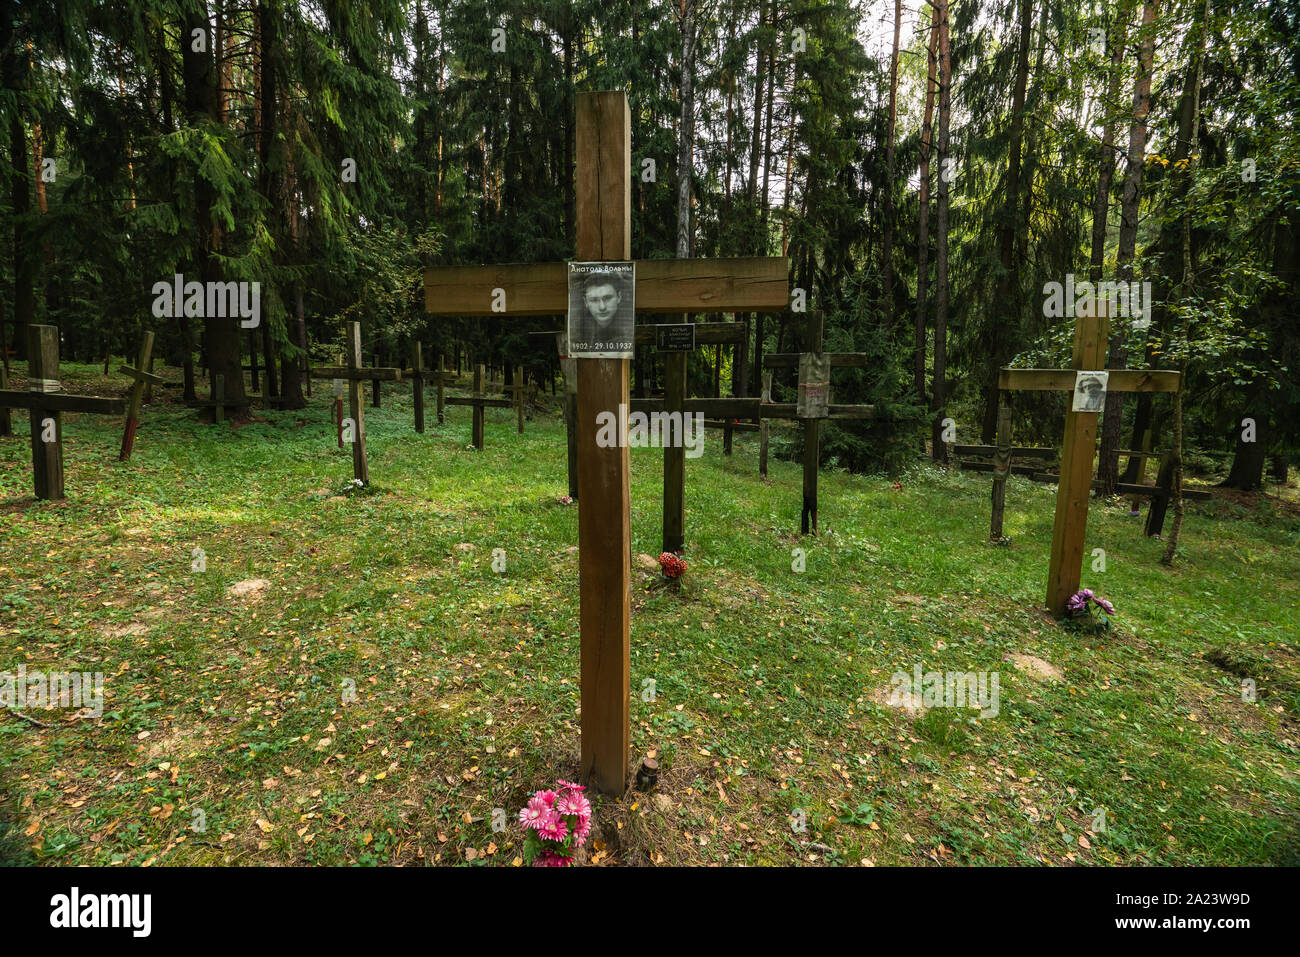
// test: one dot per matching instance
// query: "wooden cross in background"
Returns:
(814, 405)
(141, 377)
(604, 211)
(676, 400)
(1091, 333)
(46, 403)
(355, 374)
(443, 378)
(517, 390)
(479, 401)
(417, 384)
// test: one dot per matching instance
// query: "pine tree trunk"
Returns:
(1185, 288)
(1130, 206)
(20, 186)
(887, 252)
(1106, 150)
(1005, 308)
(221, 334)
(939, 448)
(923, 222)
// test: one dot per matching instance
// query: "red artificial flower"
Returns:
(671, 565)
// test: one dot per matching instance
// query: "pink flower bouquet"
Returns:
(555, 823)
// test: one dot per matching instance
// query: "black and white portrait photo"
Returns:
(1089, 391)
(602, 310)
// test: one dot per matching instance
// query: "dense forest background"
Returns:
(926, 166)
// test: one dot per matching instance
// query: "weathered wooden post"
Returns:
(604, 233)
(763, 427)
(43, 377)
(1091, 333)
(570, 370)
(1001, 469)
(338, 407)
(142, 378)
(814, 383)
(477, 428)
(6, 423)
(218, 399)
(674, 520)
(519, 396)
(417, 384)
(46, 403)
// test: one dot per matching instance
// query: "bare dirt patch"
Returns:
(251, 588)
(1036, 667)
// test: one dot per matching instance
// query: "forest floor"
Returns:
(764, 692)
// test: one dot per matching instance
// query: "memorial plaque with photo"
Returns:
(602, 313)
(1089, 391)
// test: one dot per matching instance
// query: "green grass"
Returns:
(770, 686)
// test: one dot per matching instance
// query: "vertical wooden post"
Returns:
(675, 454)
(6, 423)
(1001, 468)
(519, 396)
(726, 429)
(1160, 500)
(148, 386)
(763, 426)
(338, 407)
(218, 399)
(137, 395)
(1136, 502)
(478, 408)
(360, 467)
(417, 384)
(442, 369)
(603, 221)
(1071, 524)
(252, 358)
(43, 376)
(812, 437)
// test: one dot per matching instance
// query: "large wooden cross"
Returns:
(1091, 334)
(141, 378)
(355, 374)
(46, 403)
(604, 211)
(814, 405)
(479, 401)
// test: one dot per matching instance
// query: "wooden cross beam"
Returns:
(141, 378)
(480, 402)
(355, 374)
(814, 405)
(1091, 333)
(46, 403)
(603, 221)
